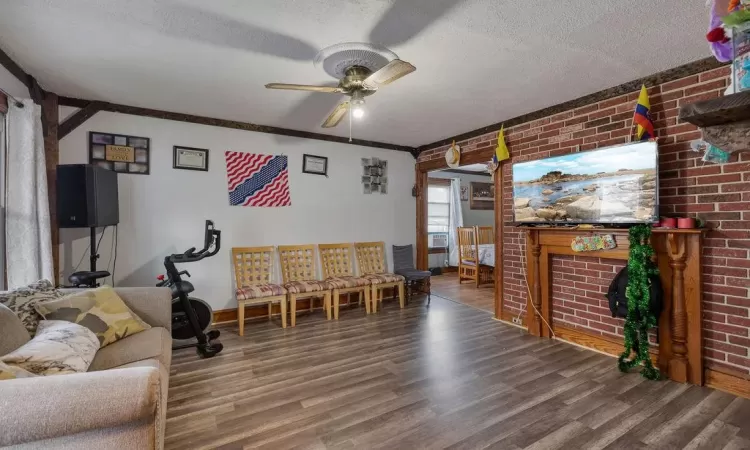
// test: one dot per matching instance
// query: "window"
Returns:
(438, 209)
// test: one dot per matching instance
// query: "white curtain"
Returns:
(28, 240)
(456, 220)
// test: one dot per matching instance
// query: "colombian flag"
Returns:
(501, 151)
(645, 130)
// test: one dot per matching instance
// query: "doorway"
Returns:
(460, 235)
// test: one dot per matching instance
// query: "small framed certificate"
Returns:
(316, 165)
(190, 158)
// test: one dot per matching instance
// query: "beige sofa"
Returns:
(120, 403)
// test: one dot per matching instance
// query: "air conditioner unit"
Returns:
(437, 240)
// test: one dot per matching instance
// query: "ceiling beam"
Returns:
(237, 125)
(683, 71)
(77, 119)
(16, 70)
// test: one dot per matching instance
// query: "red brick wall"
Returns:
(718, 194)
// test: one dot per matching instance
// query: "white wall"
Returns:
(472, 217)
(12, 85)
(164, 212)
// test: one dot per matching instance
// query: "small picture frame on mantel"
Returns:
(190, 158)
(315, 165)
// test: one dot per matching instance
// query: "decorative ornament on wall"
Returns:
(190, 158)
(374, 176)
(257, 180)
(482, 196)
(453, 156)
(120, 153)
(315, 165)
(464, 193)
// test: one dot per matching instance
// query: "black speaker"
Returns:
(86, 196)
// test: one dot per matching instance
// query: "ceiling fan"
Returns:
(360, 68)
(401, 22)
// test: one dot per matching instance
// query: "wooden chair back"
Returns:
(485, 235)
(336, 260)
(370, 257)
(297, 263)
(252, 265)
(467, 244)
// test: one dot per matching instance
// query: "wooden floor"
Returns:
(443, 376)
(446, 286)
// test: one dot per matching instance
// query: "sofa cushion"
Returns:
(380, 278)
(153, 343)
(59, 347)
(14, 334)
(22, 301)
(101, 310)
(259, 291)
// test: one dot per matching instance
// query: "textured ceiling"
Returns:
(478, 61)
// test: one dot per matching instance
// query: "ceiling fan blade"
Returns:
(407, 18)
(226, 31)
(303, 87)
(389, 73)
(336, 115)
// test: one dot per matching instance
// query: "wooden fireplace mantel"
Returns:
(678, 251)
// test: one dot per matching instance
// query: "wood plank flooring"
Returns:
(443, 376)
(446, 286)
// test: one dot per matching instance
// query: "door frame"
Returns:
(420, 172)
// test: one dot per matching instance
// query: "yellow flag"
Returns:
(501, 151)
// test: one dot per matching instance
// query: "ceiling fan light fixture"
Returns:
(358, 112)
(358, 105)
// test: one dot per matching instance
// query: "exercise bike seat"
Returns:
(181, 287)
(85, 278)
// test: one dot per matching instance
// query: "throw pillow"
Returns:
(22, 301)
(100, 310)
(8, 372)
(59, 347)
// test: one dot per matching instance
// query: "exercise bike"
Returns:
(191, 316)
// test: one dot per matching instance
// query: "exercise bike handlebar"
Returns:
(212, 239)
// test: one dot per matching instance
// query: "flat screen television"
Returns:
(613, 185)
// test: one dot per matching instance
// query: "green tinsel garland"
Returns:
(638, 292)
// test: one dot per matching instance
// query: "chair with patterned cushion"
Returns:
(403, 264)
(298, 273)
(338, 271)
(253, 273)
(371, 260)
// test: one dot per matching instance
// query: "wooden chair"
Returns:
(485, 236)
(338, 272)
(253, 273)
(298, 273)
(371, 260)
(468, 254)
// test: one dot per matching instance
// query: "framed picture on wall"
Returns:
(315, 165)
(482, 195)
(120, 153)
(464, 193)
(190, 158)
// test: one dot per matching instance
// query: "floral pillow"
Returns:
(59, 347)
(8, 372)
(100, 310)
(22, 301)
